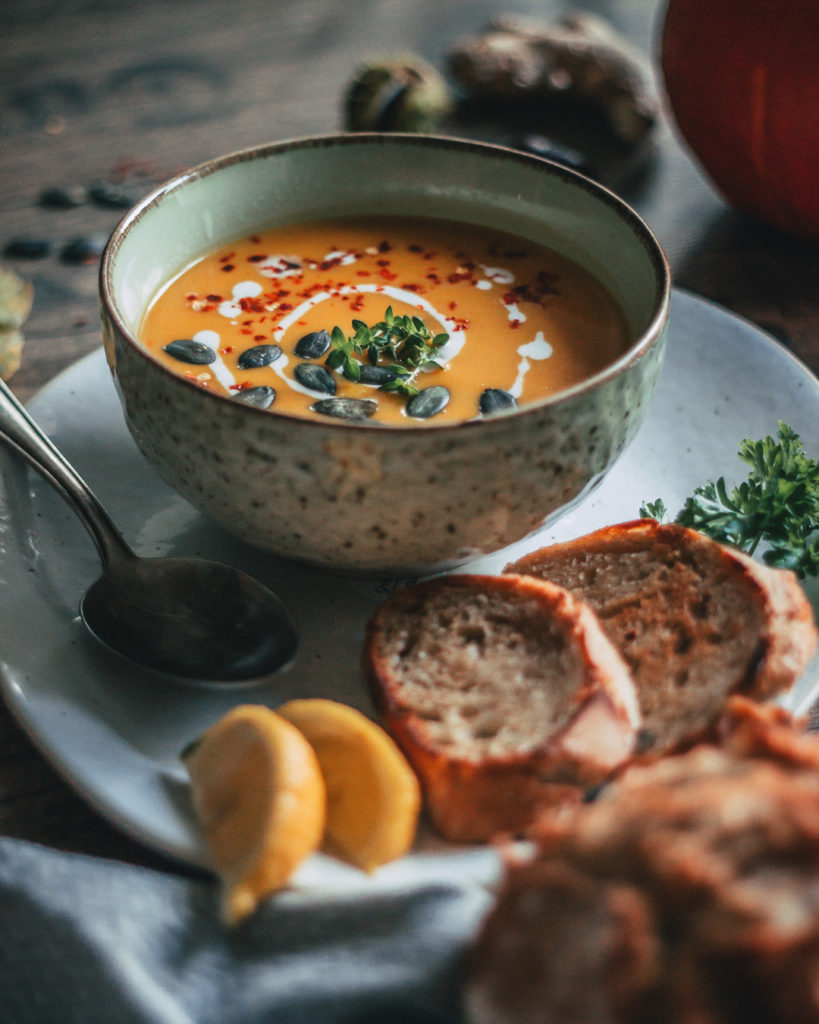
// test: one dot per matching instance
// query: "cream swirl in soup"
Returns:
(506, 321)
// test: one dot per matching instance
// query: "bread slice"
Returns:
(504, 695)
(686, 893)
(694, 620)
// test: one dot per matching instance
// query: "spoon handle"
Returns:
(22, 433)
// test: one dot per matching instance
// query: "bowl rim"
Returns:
(643, 233)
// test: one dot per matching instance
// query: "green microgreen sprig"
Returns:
(777, 504)
(403, 343)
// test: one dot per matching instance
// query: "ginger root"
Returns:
(582, 58)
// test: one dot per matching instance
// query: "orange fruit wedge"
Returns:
(259, 793)
(373, 796)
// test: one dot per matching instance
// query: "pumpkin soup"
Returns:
(387, 320)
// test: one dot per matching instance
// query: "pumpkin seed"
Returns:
(261, 397)
(317, 378)
(186, 350)
(84, 249)
(495, 400)
(369, 374)
(428, 402)
(108, 193)
(312, 345)
(346, 408)
(63, 197)
(259, 355)
(28, 248)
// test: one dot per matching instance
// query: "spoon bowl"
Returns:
(184, 617)
(191, 618)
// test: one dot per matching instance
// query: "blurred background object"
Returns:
(100, 100)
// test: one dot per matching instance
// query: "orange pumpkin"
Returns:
(742, 78)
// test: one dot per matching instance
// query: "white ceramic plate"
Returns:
(115, 732)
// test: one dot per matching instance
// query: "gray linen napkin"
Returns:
(90, 941)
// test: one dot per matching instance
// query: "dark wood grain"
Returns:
(101, 90)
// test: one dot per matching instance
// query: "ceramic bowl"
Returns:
(358, 497)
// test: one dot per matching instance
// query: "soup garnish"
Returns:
(384, 319)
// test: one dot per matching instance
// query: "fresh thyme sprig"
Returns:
(403, 343)
(778, 504)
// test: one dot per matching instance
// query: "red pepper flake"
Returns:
(387, 274)
(257, 257)
(357, 304)
(228, 267)
(190, 296)
(241, 386)
(364, 273)
(384, 246)
(255, 239)
(533, 291)
(461, 324)
(514, 324)
(246, 330)
(415, 248)
(259, 337)
(412, 288)
(226, 350)
(432, 276)
(284, 306)
(227, 257)
(382, 263)
(214, 298)
(453, 305)
(251, 306)
(334, 261)
(431, 254)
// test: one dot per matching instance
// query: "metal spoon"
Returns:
(183, 616)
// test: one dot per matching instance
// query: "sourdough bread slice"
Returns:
(694, 620)
(504, 695)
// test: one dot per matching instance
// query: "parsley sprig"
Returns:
(777, 504)
(403, 343)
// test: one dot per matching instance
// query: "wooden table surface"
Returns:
(100, 91)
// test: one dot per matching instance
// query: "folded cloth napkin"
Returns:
(100, 942)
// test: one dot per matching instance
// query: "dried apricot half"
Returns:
(260, 796)
(373, 796)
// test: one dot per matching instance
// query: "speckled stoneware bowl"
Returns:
(358, 497)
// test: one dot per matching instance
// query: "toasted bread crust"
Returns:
(686, 892)
(572, 736)
(695, 610)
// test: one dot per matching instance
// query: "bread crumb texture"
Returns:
(689, 891)
(503, 693)
(694, 620)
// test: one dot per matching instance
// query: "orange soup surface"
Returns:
(504, 321)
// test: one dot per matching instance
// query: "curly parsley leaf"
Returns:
(654, 510)
(778, 504)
